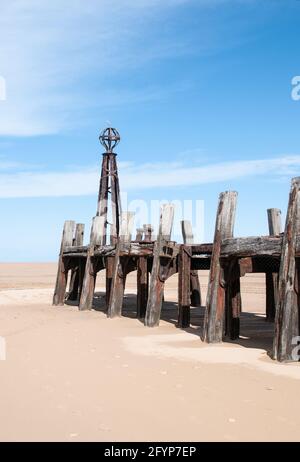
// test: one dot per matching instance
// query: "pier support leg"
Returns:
(156, 287)
(215, 302)
(274, 222)
(62, 271)
(287, 308)
(233, 302)
(120, 267)
(142, 287)
(89, 280)
(108, 277)
(184, 296)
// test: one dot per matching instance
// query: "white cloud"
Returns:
(58, 56)
(49, 50)
(138, 177)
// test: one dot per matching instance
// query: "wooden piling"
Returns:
(215, 301)
(62, 272)
(287, 307)
(156, 286)
(233, 301)
(88, 288)
(274, 221)
(148, 233)
(119, 271)
(142, 286)
(188, 239)
(184, 292)
(139, 234)
(75, 273)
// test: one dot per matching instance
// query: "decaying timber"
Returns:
(156, 258)
(287, 307)
(215, 302)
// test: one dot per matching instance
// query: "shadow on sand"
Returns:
(255, 332)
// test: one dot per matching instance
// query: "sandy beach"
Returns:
(78, 376)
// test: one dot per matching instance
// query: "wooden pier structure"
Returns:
(227, 258)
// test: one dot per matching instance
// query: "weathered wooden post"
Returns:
(119, 270)
(156, 287)
(89, 281)
(142, 286)
(188, 239)
(139, 234)
(287, 307)
(184, 286)
(274, 221)
(76, 276)
(62, 272)
(142, 272)
(148, 233)
(215, 301)
(233, 301)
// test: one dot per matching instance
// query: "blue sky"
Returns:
(200, 91)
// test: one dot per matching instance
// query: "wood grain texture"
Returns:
(287, 308)
(215, 301)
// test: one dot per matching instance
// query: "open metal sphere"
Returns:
(109, 138)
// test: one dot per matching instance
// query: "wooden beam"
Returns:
(88, 288)
(287, 307)
(119, 271)
(188, 239)
(156, 286)
(62, 271)
(215, 301)
(274, 221)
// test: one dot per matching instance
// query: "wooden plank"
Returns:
(142, 286)
(62, 271)
(188, 239)
(75, 272)
(215, 301)
(184, 292)
(156, 285)
(287, 308)
(119, 272)
(274, 221)
(88, 288)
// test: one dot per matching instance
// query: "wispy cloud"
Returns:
(58, 56)
(144, 176)
(50, 50)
